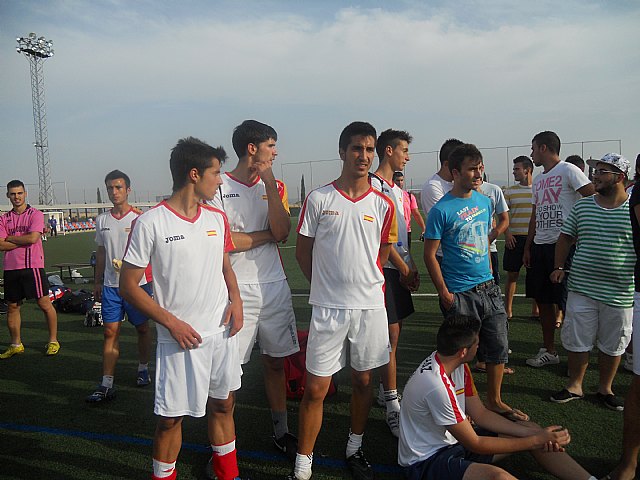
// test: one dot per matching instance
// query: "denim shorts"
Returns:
(484, 302)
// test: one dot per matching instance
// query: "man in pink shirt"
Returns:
(24, 276)
(410, 206)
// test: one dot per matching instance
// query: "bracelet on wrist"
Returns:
(562, 269)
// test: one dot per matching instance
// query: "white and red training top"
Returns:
(348, 233)
(432, 401)
(247, 210)
(186, 257)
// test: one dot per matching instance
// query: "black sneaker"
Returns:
(359, 466)
(291, 476)
(101, 394)
(610, 401)
(564, 396)
(287, 444)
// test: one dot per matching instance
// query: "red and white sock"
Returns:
(165, 471)
(225, 462)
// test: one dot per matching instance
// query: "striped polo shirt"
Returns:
(602, 268)
(519, 200)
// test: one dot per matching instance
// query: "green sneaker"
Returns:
(13, 350)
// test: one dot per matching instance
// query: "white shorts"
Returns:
(636, 328)
(334, 332)
(186, 378)
(269, 318)
(587, 319)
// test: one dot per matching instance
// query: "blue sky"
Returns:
(130, 78)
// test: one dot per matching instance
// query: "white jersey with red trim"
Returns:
(348, 233)
(112, 233)
(186, 258)
(396, 194)
(431, 401)
(247, 210)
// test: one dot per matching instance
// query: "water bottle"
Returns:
(406, 256)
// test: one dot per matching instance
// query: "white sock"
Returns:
(143, 366)
(107, 381)
(353, 444)
(302, 467)
(391, 401)
(162, 469)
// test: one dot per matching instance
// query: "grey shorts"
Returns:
(484, 301)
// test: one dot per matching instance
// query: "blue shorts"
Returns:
(114, 306)
(448, 463)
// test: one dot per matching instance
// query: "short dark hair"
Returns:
(459, 331)
(576, 160)
(355, 129)
(636, 176)
(116, 174)
(251, 131)
(525, 161)
(15, 184)
(447, 147)
(391, 138)
(460, 153)
(191, 153)
(550, 139)
(398, 174)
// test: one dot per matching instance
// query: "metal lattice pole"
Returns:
(36, 50)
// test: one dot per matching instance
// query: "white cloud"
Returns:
(127, 73)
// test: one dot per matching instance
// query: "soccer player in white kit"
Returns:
(112, 233)
(257, 207)
(345, 232)
(197, 308)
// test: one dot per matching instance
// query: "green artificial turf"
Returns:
(48, 431)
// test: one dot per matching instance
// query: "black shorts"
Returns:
(25, 283)
(397, 299)
(538, 284)
(512, 258)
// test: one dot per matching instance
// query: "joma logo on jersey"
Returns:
(231, 195)
(330, 212)
(173, 238)
(105, 229)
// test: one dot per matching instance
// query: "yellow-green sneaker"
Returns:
(52, 348)
(13, 350)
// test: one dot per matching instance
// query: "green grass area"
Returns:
(48, 431)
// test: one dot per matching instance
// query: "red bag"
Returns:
(296, 372)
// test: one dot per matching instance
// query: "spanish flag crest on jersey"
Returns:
(367, 218)
(212, 233)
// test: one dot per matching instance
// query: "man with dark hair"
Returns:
(197, 308)
(626, 469)
(554, 191)
(112, 233)
(460, 223)
(598, 313)
(400, 272)
(437, 438)
(345, 221)
(257, 207)
(518, 198)
(24, 276)
(441, 182)
(576, 160)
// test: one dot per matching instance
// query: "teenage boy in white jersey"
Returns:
(601, 229)
(257, 207)
(112, 233)
(400, 272)
(197, 308)
(438, 440)
(345, 233)
(554, 192)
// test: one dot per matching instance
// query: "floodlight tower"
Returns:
(36, 50)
